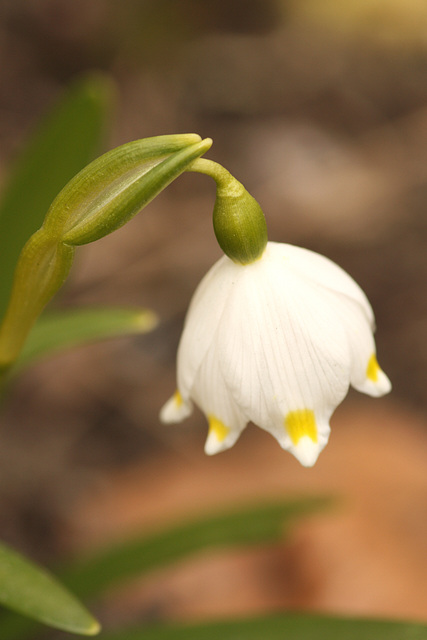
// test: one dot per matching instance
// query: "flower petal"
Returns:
(220, 437)
(211, 394)
(306, 451)
(366, 374)
(176, 409)
(277, 342)
(319, 270)
(376, 382)
(305, 436)
(281, 347)
(202, 321)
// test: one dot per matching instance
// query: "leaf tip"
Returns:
(93, 629)
(146, 321)
(207, 143)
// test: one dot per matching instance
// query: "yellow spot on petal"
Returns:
(373, 368)
(301, 423)
(177, 398)
(218, 428)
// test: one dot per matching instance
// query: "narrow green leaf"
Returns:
(69, 138)
(65, 329)
(254, 525)
(31, 591)
(281, 627)
(241, 527)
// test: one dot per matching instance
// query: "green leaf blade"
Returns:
(90, 577)
(68, 138)
(33, 592)
(281, 627)
(243, 526)
(56, 331)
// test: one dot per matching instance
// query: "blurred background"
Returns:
(320, 108)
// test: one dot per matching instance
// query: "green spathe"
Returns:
(100, 199)
(111, 190)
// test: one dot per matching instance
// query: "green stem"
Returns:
(227, 185)
(238, 220)
(42, 268)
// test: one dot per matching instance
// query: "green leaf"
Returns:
(248, 526)
(65, 329)
(281, 627)
(31, 591)
(252, 525)
(69, 138)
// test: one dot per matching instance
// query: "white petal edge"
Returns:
(202, 321)
(323, 272)
(176, 409)
(215, 445)
(306, 451)
(375, 388)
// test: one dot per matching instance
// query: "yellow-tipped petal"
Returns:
(304, 434)
(217, 436)
(177, 398)
(300, 424)
(373, 369)
(175, 409)
(306, 451)
(291, 330)
(218, 428)
(376, 382)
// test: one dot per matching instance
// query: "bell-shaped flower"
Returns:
(276, 342)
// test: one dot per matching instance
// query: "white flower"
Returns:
(276, 342)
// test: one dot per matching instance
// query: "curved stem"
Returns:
(226, 183)
(238, 220)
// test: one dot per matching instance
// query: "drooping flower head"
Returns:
(276, 341)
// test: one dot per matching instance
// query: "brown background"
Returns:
(320, 109)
